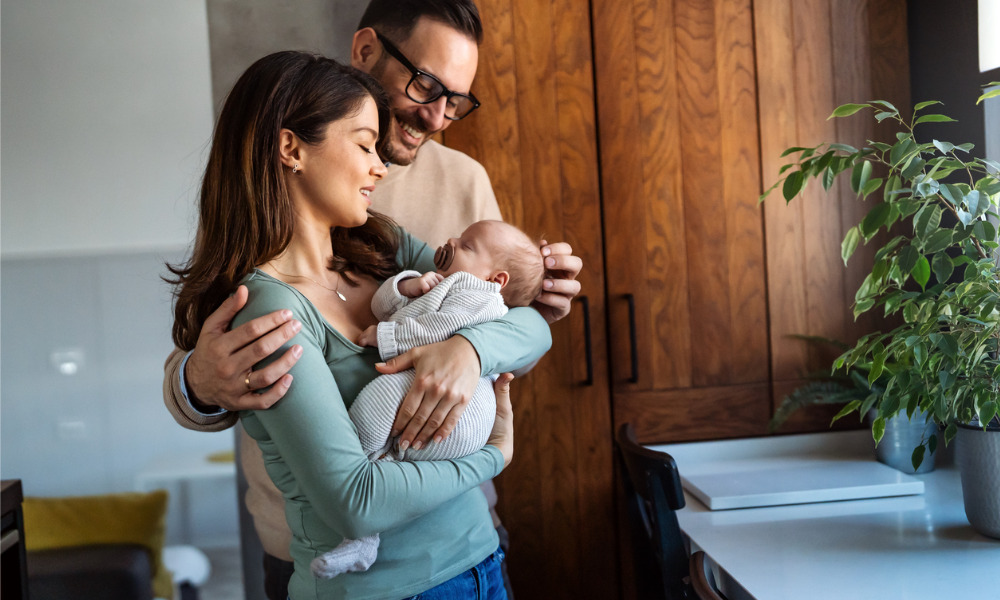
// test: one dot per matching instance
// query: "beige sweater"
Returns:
(436, 197)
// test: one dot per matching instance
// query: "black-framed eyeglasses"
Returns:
(424, 88)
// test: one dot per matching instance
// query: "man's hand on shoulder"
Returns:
(219, 371)
(560, 286)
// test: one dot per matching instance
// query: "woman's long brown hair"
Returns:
(246, 215)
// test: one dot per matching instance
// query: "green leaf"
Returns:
(917, 457)
(984, 230)
(993, 93)
(871, 186)
(900, 150)
(885, 104)
(850, 243)
(921, 271)
(927, 220)
(878, 429)
(794, 149)
(938, 241)
(828, 177)
(793, 185)
(860, 174)
(949, 432)
(913, 166)
(952, 193)
(943, 147)
(949, 345)
(987, 411)
(876, 218)
(878, 363)
(844, 148)
(943, 267)
(933, 119)
(932, 443)
(908, 257)
(947, 380)
(846, 110)
(977, 203)
(922, 105)
(848, 409)
(884, 115)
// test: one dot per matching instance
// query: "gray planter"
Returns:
(901, 436)
(978, 455)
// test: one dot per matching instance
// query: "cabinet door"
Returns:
(676, 93)
(536, 136)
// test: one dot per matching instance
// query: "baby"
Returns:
(491, 267)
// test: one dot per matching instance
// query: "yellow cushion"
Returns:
(127, 518)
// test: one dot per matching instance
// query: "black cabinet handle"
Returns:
(633, 345)
(588, 353)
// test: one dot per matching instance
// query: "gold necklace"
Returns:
(335, 291)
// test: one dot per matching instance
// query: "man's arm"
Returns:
(182, 410)
(219, 368)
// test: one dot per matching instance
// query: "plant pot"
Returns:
(978, 456)
(901, 436)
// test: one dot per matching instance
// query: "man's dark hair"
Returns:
(396, 18)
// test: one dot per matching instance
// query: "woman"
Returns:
(284, 210)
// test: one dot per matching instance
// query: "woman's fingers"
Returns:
(446, 376)
(502, 435)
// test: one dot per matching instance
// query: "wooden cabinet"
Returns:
(536, 134)
(642, 132)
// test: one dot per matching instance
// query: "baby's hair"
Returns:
(523, 261)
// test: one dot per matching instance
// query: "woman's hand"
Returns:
(502, 435)
(218, 371)
(447, 374)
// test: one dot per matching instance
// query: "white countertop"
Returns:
(900, 548)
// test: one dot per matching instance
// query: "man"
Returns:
(425, 54)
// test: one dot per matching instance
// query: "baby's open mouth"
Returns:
(443, 257)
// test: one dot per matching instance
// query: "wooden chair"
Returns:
(654, 494)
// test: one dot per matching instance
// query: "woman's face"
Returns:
(339, 173)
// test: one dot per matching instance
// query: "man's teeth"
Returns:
(412, 131)
(365, 192)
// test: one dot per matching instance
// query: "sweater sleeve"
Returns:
(178, 405)
(515, 341)
(311, 447)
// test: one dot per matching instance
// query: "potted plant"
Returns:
(937, 271)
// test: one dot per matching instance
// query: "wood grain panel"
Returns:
(740, 171)
(695, 414)
(622, 187)
(784, 237)
(539, 145)
(590, 406)
(660, 150)
(707, 236)
(826, 311)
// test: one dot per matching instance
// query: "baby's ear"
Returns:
(501, 277)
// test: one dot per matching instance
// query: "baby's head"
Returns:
(499, 252)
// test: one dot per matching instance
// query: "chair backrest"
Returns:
(653, 489)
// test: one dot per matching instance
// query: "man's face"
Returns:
(441, 51)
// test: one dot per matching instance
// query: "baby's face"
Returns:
(475, 251)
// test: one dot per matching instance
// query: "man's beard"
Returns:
(394, 150)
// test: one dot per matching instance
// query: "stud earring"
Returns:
(296, 168)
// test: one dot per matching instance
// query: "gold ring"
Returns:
(247, 381)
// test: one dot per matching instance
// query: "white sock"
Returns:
(347, 557)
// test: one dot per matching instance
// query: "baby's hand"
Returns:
(418, 286)
(369, 337)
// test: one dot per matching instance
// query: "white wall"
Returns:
(106, 119)
(107, 115)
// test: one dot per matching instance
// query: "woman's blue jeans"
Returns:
(482, 582)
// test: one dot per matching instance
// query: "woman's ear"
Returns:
(501, 277)
(365, 49)
(289, 149)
